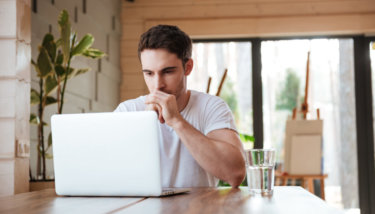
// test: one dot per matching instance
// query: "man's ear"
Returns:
(189, 66)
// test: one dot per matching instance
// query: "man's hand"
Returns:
(165, 105)
(157, 108)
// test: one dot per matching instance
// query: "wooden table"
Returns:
(199, 200)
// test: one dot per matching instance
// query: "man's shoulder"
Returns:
(204, 98)
(136, 104)
(213, 112)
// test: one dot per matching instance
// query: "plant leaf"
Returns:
(65, 34)
(70, 73)
(50, 46)
(246, 138)
(60, 58)
(60, 70)
(83, 45)
(50, 139)
(49, 144)
(34, 119)
(50, 84)
(44, 62)
(36, 67)
(58, 43)
(48, 155)
(94, 53)
(34, 97)
(81, 71)
(50, 100)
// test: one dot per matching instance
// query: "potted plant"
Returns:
(53, 67)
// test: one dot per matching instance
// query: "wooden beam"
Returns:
(273, 26)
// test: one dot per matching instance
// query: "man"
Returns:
(200, 143)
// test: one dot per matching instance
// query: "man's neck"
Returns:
(183, 100)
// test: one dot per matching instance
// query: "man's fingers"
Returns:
(160, 114)
(151, 107)
(153, 99)
(157, 108)
(158, 97)
(165, 103)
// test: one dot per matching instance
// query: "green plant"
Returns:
(54, 70)
(287, 99)
(246, 138)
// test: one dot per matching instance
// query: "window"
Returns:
(336, 88)
(211, 60)
(331, 89)
(283, 81)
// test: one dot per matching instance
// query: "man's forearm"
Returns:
(221, 159)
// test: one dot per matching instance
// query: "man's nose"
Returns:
(159, 82)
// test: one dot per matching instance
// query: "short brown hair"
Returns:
(167, 37)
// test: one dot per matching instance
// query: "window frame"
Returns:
(363, 104)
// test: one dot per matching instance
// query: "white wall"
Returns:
(14, 95)
(97, 90)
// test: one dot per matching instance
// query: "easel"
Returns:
(305, 105)
(220, 85)
(282, 178)
(307, 181)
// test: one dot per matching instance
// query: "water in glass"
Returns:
(260, 179)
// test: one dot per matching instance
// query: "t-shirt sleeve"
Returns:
(137, 104)
(218, 116)
(121, 108)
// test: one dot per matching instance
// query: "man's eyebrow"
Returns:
(164, 69)
(168, 68)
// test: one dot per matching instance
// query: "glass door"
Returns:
(331, 90)
(211, 59)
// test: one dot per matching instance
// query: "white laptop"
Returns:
(108, 154)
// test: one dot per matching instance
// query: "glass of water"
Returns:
(260, 167)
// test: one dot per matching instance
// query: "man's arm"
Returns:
(220, 152)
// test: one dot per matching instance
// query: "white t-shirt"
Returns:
(205, 113)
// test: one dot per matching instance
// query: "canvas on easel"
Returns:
(303, 138)
(303, 143)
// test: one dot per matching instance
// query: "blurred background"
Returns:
(262, 44)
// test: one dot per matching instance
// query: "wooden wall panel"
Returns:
(239, 18)
(152, 3)
(131, 94)
(230, 10)
(129, 48)
(274, 26)
(131, 65)
(134, 82)
(132, 30)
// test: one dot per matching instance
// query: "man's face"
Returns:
(164, 71)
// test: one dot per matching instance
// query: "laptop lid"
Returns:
(107, 154)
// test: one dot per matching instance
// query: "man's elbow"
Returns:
(237, 178)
